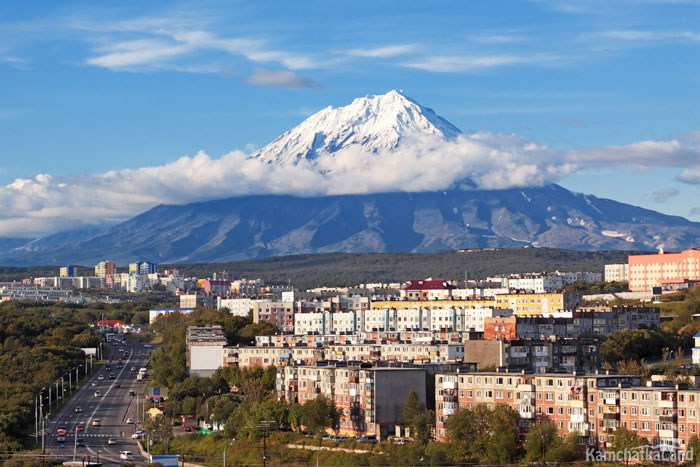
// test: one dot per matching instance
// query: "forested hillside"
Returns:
(337, 269)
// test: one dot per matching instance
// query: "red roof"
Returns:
(433, 284)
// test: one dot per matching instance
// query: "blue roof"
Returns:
(697, 334)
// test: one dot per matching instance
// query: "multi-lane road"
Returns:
(103, 417)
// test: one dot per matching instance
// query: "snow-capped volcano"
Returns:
(375, 123)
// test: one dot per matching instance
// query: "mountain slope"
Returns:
(272, 225)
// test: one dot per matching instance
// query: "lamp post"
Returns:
(229, 444)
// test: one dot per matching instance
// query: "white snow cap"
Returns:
(376, 123)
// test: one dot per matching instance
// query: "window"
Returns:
(634, 411)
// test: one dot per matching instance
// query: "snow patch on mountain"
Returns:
(376, 123)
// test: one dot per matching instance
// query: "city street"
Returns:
(104, 417)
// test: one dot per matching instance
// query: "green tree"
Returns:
(467, 431)
(160, 428)
(692, 452)
(503, 443)
(318, 414)
(626, 440)
(412, 407)
(540, 437)
(295, 415)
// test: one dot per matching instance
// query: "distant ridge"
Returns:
(343, 269)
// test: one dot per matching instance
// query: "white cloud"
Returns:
(43, 204)
(496, 39)
(165, 43)
(458, 63)
(384, 52)
(280, 78)
(648, 35)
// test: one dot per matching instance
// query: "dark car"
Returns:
(132, 393)
(80, 442)
(111, 376)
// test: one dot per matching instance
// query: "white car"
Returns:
(137, 435)
(130, 421)
(125, 455)
(98, 394)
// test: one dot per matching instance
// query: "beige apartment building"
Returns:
(370, 399)
(594, 406)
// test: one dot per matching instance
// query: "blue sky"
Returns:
(90, 89)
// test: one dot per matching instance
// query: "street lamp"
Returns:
(229, 444)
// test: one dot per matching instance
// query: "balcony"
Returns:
(449, 398)
(527, 401)
(579, 418)
(526, 387)
(667, 433)
(527, 415)
(611, 401)
(611, 416)
(667, 418)
(667, 404)
(448, 385)
(577, 403)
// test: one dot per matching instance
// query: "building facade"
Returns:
(648, 271)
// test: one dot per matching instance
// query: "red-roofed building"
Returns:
(429, 289)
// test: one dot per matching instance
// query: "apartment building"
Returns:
(594, 405)
(67, 271)
(524, 304)
(536, 355)
(430, 289)
(154, 313)
(648, 271)
(601, 321)
(204, 349)
(369, 398)
(417, 303)
(264, 356)
(105, 268)
(616, 272)
(237, 306)
(281, 314)
(197, 299)
(396, 352)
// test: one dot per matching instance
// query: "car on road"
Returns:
(117, 385)
(98, 394)
(100, 377)
(94, 383)
(79, 427)
(137, 435)
(111, 441)
(130, 421)
(78, 409)
(132, 393)
(125, 455)
(80, 442)
(97, 422)
(133, 368)
(367, 439)
(119, 366)
(121, 349)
